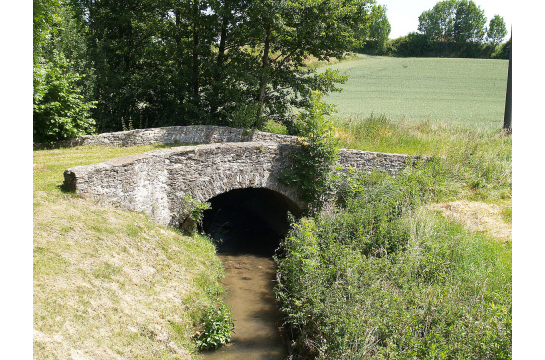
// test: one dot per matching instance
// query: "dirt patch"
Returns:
(39, 167)
(477, 216)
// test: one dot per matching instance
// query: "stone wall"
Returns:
(156, 182)
(193, 134)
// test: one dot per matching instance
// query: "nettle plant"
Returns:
(311, 169)
(217, 325)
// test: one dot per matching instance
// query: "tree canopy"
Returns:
(453, 20)
(148, 63)
(496, 30)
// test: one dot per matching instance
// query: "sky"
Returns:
(403, 14)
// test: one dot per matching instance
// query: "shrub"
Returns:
(381, 279)
(217, 325)
(195, 213)
(310, 170)
(60, 112)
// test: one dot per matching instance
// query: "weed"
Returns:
(383, 278)
(217, 325)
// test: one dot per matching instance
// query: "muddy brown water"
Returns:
(249, 282)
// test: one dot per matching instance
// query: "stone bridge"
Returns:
(156, 182)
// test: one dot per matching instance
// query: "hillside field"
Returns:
(461, 91)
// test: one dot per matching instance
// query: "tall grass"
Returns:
(477, 162)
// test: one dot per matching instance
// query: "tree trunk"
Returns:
(264, 78)
(195, 50)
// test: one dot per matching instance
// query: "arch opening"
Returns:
(249, 220)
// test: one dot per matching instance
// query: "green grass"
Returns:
(477, 162)
(110, 283)
(462, 91)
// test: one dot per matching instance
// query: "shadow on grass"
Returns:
(65, 189)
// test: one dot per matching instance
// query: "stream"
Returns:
(247, 226)
(249, 282)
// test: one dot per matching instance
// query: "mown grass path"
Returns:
(464, 91)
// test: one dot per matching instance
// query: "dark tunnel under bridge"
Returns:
(248, 220)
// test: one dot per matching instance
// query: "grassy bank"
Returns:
(463, 91)
(412, 266)
(476, 161)
(110, 283)
(386, 277)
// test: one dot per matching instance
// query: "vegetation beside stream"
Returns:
(383, 275)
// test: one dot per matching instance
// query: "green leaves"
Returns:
(496, 30)
(217, 325)
(60, 112)
(311, 169)
(235, 63)
(382, 279)
(459, 20)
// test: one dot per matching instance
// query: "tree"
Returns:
(224, 62)
(380, 27)
(496, 30)
(60, 109)
(438, 23)
(470, 22)
(458, 20)
(284, 34)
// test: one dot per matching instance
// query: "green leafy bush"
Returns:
(217, 325)
(195, 213)
(275, 127)
(60, 112)
(382, 278)
(311, 168)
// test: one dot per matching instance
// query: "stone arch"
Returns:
(249, 219)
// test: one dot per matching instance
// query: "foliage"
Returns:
(195, 213)
(380, 279)
(469, 25)
(60, 111)
(438, 23)
(275, 127)
(61, 107)
(458, 20)
(234, 63)
(502, 51)
(311, 167)
(379, 30)
(496, 30)
(217, 324)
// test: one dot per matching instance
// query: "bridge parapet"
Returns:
(156, 182)
(193, 134)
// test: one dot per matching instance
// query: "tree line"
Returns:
(110, 65)
(450, 28)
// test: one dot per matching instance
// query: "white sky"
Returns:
(403, 14)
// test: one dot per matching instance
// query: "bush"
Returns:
(60, 112)
(310, 170)
(195, 213)
(380, 279)
(217, 325)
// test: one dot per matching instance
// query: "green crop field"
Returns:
(462, 91)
